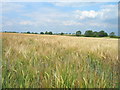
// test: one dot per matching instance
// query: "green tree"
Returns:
(88, 33)
(61, 33)
(50, 33)
(95, 34)
(36, 33)
(102, 34)
(78, 33)
(28, 32)
(112, 34)
(32, 33)
(46, 32)
(41, 32)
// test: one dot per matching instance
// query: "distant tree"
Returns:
(102, 34)
(66, 33)
(95, 34)
(88, 33)
(10, 32)
(106, 34)
(41, 32)
(112, 34)
(46, 32)
(61, 33)
(73, 33)
(50, 33)
(78, 33)
(55, 33)
(35, 33)
(28, 32)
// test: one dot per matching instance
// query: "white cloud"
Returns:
(46, 16)
(69, 23)
(26, 23)
(9, 6)
(106, 12)
(86, 14)
(109, 11)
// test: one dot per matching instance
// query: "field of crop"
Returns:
(53, 61)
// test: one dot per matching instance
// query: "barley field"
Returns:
(54, 61)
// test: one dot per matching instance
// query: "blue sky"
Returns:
(60, 16)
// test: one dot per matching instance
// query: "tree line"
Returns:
(88, 33)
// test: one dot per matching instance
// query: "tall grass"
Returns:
(43, 61)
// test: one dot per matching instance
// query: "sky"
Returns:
(67, 17)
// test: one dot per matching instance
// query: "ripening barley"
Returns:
(50, 61)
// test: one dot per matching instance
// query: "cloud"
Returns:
(102, 18)
(69, 23)
(26, 23)
(9, 7)
(106, 12)
(47, 16)
(86, 14)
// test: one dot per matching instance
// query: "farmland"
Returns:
(54, 61)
